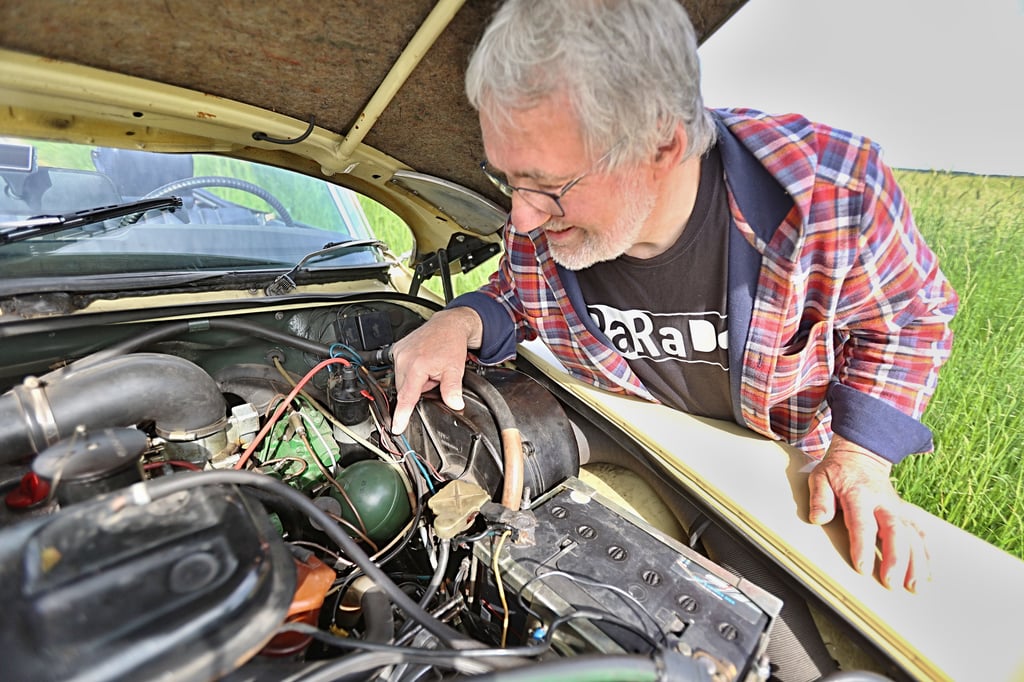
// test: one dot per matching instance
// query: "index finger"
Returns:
(409, 390)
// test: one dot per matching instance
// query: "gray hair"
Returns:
(629, 67)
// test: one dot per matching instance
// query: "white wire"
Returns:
(311, 425)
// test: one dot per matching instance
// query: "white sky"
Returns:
(939, 84)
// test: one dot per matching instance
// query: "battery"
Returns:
(635, 587)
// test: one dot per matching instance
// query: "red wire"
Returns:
(283, 406)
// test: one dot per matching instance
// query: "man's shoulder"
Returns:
(793, 147)
(752, 125)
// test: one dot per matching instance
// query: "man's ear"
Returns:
(670, 153)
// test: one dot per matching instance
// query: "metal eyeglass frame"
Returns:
(555, 197)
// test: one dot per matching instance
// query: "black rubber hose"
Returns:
(492, 398)
(174, 329)
(179, 397)
(599, 668)
(377, 614)
(511, 440)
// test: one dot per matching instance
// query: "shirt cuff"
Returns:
(876, 425)
(499, 332)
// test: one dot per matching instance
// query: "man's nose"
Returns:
(526, 217)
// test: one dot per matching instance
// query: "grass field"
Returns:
(975, 477)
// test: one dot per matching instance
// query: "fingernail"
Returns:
(912, 585)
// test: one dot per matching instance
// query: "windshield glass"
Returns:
(236, 215)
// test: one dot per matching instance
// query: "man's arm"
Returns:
(896, 307)
(488, 322)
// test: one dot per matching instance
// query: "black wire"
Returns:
(168, 485)
(263, 137)
(608, 617)
(491, 529)
(636, 607)
(350, 644)
(384, 560)
(542, 646)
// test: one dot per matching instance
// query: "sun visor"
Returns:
(472, 211)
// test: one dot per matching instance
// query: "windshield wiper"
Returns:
(284, 283)
(48, 224)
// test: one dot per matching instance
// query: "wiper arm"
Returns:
(48, 224)
(284, 283)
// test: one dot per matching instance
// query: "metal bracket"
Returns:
(467, 249)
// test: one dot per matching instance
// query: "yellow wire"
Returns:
(501, 586)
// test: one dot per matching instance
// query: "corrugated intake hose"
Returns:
(179, 397)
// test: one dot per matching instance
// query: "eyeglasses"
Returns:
(547, 202)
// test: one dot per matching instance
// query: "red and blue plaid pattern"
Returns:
(847, 289)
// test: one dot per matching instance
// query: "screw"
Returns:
(688, 603)
(651, 577)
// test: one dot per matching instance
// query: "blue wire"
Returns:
(350, 351)
(419, 464)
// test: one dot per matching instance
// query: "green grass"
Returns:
(975, 478)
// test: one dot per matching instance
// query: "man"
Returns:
(729, 263)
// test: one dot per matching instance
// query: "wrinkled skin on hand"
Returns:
(855, 480)
(434, 355)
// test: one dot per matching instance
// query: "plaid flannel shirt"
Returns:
(838, 312)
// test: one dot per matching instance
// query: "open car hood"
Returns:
(380, 82)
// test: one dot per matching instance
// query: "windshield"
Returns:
(235, 215)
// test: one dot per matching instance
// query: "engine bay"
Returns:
(220, 496)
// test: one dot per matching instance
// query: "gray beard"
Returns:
(609, 245)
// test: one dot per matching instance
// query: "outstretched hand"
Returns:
(434, 355)
(856, 480)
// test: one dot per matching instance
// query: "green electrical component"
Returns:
(285, 456)
(377, 492)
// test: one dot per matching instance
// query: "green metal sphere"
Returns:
(378, 494)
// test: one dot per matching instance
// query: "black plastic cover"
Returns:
(189, 586)
(467, 444)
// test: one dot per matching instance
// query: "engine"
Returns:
(222, 498)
